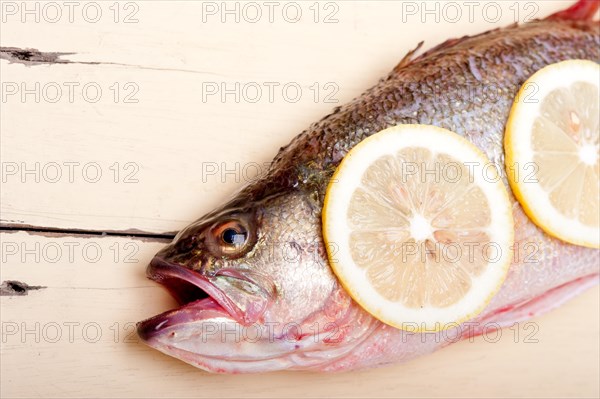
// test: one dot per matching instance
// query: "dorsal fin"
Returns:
(582, 10)
(408, 57)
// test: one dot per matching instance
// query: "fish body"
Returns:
(253, 278)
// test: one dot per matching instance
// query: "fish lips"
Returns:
(204, 335)
(199, 296)
(154, 329)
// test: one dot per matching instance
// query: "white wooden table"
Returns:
(131, 132)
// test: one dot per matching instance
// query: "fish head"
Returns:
(256, 291)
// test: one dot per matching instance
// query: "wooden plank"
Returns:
(173, 138)
(173, 149)
(41, 357)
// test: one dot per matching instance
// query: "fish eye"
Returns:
(231, 238)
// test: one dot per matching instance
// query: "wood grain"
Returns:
(74, 337)
(171, 134)
(554, 355)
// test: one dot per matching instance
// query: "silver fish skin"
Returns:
(256, 290)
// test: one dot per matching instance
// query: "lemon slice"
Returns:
(415, 231)
(551, 146)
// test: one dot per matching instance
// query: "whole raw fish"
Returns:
(256, 289)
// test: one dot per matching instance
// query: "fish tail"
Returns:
(582, 10)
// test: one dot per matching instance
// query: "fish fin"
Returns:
(408, 58)
(450, 43)
(553, 298)
(582, 10)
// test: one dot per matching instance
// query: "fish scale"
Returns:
(466, 85)
(426, 91)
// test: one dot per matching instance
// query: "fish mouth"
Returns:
(208, 330)
(219, 329)
(198, 297)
